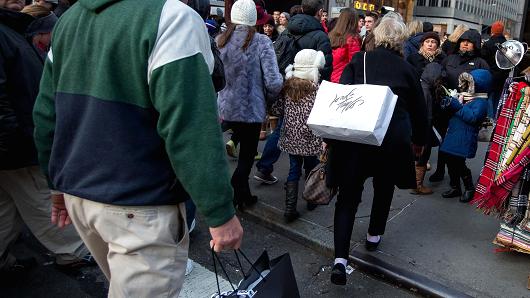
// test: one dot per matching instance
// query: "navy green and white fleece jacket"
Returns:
(126, 113)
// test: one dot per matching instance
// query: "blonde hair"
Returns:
(459, 30)
(35, 10)
(414, 27)
(390, 33)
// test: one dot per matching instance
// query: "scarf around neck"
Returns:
(430, 56)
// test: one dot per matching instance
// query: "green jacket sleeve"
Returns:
(183, 94)
(44, 118)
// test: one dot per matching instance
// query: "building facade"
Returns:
(477, 14)
(404, 7)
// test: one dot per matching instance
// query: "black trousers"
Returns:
(425, 156)
(348, 200)
(248, 137)
(457, 169)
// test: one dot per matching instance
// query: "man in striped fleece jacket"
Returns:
(126, 130)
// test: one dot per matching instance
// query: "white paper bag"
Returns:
(355, 113)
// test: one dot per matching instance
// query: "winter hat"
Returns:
(212, 27)
(482, 79)
(42, 25)
(428, 27)
(307, 64)
(262, 16)
(244, 13)
(497, 28)
(433, 35)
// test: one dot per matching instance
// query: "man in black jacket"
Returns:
(24, 194)
(308, 26)
(499, 75)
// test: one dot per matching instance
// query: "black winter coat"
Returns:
(456, 63)
(488, 53)
(393, 160)
(20, 72)
(312, 37)
(449, 47)
(412, 44)
(419, 62)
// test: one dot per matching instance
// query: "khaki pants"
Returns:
(142, 250)
(25, 198)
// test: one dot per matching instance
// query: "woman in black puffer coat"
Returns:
(465, 59)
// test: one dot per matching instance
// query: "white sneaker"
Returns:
(189, 267)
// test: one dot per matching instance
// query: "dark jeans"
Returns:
(348, 200)
(271, 152)
(248, 135)
(457, 168)
(296, 162)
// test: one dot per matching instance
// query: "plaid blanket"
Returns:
(499, 139)
(514, 238)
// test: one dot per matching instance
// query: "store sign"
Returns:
(363, 6)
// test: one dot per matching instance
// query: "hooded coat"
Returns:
(312, 36)
(20, 73)
(412, 45)
(458, 63)
(462, 134)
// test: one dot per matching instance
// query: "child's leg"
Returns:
(454, 165)
(291, 187)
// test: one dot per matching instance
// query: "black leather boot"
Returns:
(291, 197)
(439, 174)
(454, 192)
(469, 191)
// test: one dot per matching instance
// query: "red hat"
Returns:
(497, 28)
(263, 17)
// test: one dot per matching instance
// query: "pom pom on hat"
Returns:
(497, 28)
(244, 13)
(307, 64)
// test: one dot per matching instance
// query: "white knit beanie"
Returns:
(244, 13)
(307, 64)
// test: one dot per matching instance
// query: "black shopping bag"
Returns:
(266, 278)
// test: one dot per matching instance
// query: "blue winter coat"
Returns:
(462, 135)
(412, 45)
(249, 74)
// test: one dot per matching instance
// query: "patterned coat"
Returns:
(248, 74)
(296, 137)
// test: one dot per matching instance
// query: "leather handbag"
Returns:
(316, 191)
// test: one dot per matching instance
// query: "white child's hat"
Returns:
(307, 64)
(244, 13)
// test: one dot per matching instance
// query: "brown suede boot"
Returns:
(420, 176)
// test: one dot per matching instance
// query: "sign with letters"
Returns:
(363, 6)
(355, 113)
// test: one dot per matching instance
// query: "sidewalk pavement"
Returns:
(434, 246)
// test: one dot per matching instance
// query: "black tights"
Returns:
(348, 200)
(457, 169)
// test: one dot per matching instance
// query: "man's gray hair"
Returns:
(390, 33)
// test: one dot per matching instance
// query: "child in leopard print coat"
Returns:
(295, 104)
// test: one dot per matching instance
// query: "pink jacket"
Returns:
(342, 56)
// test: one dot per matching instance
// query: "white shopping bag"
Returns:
(355, 113)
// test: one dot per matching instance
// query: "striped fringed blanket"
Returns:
(497, 192)
(487, 176)
(513, 238)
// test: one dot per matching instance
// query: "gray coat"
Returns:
(251, 77)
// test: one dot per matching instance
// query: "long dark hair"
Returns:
(225, 36)
(346, 26)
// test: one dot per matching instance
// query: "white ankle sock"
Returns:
(373, 238)
(341, 261)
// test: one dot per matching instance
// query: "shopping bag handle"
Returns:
(216, 257)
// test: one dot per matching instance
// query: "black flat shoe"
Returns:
(372, 246)
(437, 176)
(467, 196)
(338, 275)
(452, 193)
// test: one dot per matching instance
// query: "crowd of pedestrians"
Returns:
(128, 133)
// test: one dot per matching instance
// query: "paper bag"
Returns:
(355, 113)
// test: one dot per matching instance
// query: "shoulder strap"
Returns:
(364, 68)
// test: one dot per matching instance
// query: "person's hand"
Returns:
(324, 146)
(418, 150)
(60, 215)
(228, 236)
